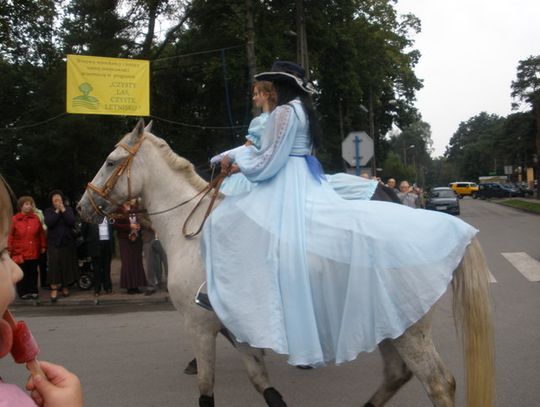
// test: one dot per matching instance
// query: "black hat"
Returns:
(286, 70)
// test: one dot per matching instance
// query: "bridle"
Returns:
(125, 167)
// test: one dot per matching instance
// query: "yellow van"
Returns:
(464, 188)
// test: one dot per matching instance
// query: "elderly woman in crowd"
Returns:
(26, 243)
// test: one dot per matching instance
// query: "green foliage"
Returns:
(527, 85)
(528, 206)
(393, 167)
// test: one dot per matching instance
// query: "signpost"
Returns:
(357, 149)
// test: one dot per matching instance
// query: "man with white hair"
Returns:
(407, 196)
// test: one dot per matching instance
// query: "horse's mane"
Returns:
(176, 162)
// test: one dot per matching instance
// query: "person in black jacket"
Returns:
(99, 242)
(62, 254)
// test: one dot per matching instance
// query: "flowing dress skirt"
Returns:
(294, 267)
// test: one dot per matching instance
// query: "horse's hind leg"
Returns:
(396, 374)
(256, 369)
(417, 350)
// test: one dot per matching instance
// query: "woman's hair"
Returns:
(6, 207)
(267, 87)
(286, 91)
(56, 192)
(23, 199)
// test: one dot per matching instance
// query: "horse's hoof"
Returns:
(191, 368)
(206, 401)
(273, 398)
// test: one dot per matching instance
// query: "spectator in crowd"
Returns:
(61, 388)
(365, 175)
(62, 253)
(100, 248)
(128, 229)
(25, 244)
(391, 183)
(43, 256)
(407, 196)
(155, 259)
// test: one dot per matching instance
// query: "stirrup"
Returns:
(202, 299)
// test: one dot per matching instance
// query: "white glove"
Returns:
(215, 160)
(231, 153)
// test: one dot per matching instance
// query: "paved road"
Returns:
(134, 355)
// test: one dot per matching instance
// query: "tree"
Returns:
(526, 88)
(393, 167)
(413, 147)
(477, 148)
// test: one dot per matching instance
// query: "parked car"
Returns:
(523, 188)
(496, 190)
(464, 188)
(443, 199)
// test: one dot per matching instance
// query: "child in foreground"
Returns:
(57, 387)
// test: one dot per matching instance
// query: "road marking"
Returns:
(526, 265)
(491, 277)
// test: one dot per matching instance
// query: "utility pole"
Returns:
(301, 38)
(372, 133)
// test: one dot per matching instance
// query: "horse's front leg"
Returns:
(203, 337)
(258, 375)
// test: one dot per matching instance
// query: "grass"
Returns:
(520, 204)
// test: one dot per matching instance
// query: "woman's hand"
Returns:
(225, 163)
(234, 169)
(60, 388)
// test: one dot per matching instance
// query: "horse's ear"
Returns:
(148, 127)
(138, 130)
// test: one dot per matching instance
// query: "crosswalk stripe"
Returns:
(526, 265)
(491, 277)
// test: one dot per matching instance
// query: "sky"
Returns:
(470, 52)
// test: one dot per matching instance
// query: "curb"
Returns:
(93, 301)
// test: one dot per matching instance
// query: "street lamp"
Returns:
(413, 147)
(405, 152)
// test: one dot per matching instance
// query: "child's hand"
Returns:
(60, 388)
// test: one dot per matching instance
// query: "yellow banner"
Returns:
(97, 85)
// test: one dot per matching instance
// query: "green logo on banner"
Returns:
(85, 100)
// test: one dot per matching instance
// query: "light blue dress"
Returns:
(294, 267)
(346, 185)
(237, 183)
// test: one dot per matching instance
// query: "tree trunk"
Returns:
(301, 38)
(149, 38)
(250, 47)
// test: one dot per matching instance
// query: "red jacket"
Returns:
(26, 237)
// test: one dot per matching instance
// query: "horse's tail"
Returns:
(472, 313)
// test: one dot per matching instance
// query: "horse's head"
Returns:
(118, 179)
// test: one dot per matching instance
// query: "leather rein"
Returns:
(125, 168)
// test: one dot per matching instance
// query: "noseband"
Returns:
(105, 190)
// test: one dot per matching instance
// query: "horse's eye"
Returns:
(110, 163)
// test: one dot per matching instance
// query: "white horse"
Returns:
(143, 165)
